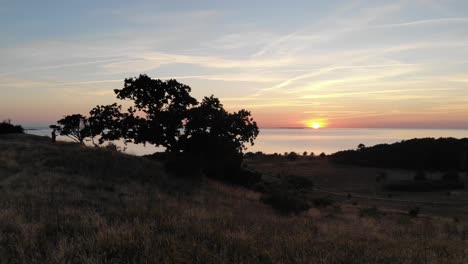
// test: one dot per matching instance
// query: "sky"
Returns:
(291, 63)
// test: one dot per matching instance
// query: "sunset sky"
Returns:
(292, 63)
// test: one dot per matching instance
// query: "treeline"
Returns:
(443, 154)
(6, 127)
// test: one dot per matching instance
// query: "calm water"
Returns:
(326, 140)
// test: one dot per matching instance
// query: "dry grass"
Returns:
(66, 204)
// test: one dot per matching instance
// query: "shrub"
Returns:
(298, 182)
(382, 176)
(413, 212)
(286, 201)
(216, 156)
(249, 155)
(370, 212)
(7, 128)
(181, 166)
(292, 156)
(451, 176)
(247, 178)
(420, 176)
(322, 155)
(322, 202)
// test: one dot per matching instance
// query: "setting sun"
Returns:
(315, 124)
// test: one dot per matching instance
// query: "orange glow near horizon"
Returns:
(316, 123)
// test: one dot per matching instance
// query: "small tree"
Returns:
(361, 146)
(74, 127)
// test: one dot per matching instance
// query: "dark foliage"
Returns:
(370, 212)
(74, 127)
(451, 176)
(289, 195)
(420, 176)
(413, 212)
(7, 128)
(298, 182)
(203, 137)
(292, 156)
(322, 202)
(209, 118)
(419, 154)
(286, 201)
(158, 112)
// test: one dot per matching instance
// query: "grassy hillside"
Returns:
(64, 203)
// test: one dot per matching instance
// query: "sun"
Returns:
(316, 123)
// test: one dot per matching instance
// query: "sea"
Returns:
(327, 140)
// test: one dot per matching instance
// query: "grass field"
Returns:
(64, 203)
(363, 185)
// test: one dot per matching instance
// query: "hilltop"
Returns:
(66, 203)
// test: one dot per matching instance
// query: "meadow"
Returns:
(65, 203)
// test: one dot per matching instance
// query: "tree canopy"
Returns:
(163, 113)
(74, 127)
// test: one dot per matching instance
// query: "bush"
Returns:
(322, 202)
(451, 176)
(7, 128)
(182, 166)
(292, 156)
(420, 176)
(286, 201)
(413, 212)
(298, 182)
(216, 156)
(247, 178)
(249, 155)
(370, 212)
(382, 176)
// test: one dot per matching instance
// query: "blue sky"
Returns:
(343, 63)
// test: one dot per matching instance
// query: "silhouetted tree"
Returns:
(361, 146)
(159, 111)
(165, 114)
(216, 138)
(210, 119)
(107, 122)
(74, 127)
